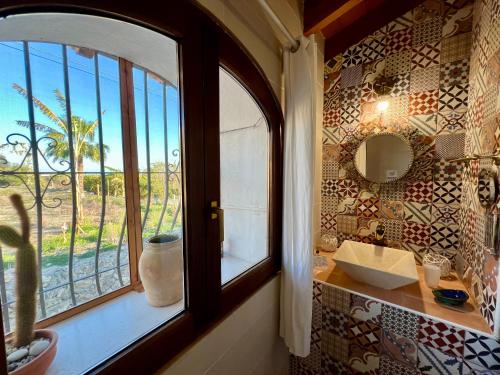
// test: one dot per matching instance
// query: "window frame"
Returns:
(203, 45)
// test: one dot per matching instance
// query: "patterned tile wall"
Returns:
(482, 136)
(355, 335)
(445, 55)
(428, 51)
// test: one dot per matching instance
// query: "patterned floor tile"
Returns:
(365, 309)
(418, 234)
(349, 114)
(347, 224)
(424, 79)
(399, 348)
(398, 40)
(481, 350)
(445, 237)
(451, 121)
(454, 73)
(328, 221)
(453, 97)
(417, 212)
(373, 49)
(428, 31)
(402, 85)
(434, 362)
(330, 366)
(456, 48)
(424, 123)
(368, 208)
(336, 299)
(317, 291)
(347, 206)
(448, 171)
(334, 322)
(362, 361)
(392, 209)
(398, 63)
(401, 322)
(425, 55)
(449, 192)
(352, 56)
(391, 367)
(347, 188)
(423, 102)
(443, 337)
(450, 146)
(335, 346)
(364, 334)
(393, 191)
(350, 95)
(351, 76)
(470, 368)
(329, 187)
(298, 367)
(445, 214)
(393, 229)
(419, 192)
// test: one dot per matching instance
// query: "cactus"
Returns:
(26, 273)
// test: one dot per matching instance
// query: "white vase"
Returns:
(161, 272)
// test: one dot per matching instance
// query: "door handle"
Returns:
(217, 213)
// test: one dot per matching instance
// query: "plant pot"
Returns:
(40, 364)
(161, 272)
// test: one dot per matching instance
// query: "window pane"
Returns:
(72, 185)
(158, 148)
(244, 179)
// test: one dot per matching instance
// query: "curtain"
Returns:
(296, 278)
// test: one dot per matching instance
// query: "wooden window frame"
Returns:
(204, 45)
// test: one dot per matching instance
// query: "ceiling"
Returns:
(345, 22)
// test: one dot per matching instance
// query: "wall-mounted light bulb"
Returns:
(382, 105)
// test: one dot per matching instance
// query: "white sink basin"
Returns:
(379, 266)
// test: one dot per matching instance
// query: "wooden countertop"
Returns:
(417, 296)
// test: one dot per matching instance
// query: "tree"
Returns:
(84, 144)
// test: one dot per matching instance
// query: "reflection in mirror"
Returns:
(383, 157)
(487, 190)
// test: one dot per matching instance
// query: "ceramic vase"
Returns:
(161, 271)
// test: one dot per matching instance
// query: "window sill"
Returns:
(89, 338)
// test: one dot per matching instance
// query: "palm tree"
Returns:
(84, 145)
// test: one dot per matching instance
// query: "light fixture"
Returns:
(383, 86)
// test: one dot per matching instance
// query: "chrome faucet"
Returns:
(379, 236)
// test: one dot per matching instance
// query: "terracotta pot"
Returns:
(40, 364)
(161, 272)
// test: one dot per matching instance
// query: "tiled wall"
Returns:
(355, 335)
(428, 51)
(482, 136)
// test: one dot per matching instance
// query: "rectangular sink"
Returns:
(383, 267)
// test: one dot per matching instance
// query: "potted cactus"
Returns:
(29, 351)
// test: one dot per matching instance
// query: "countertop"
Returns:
(417, 296)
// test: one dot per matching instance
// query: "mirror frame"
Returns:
(402, 138)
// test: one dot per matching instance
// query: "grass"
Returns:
(56, 246)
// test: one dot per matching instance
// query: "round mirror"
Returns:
(384, 157)
(487, 188)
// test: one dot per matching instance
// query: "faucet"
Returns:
(379, 235)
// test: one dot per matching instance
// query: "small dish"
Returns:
(451, 297)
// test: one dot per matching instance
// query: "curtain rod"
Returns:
(295, 44)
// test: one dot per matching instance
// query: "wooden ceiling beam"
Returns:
(318, 14)
(362, 20)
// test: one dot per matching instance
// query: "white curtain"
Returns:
(296, 280)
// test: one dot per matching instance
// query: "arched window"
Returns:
(114, 132)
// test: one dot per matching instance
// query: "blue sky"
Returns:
(47, 75)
